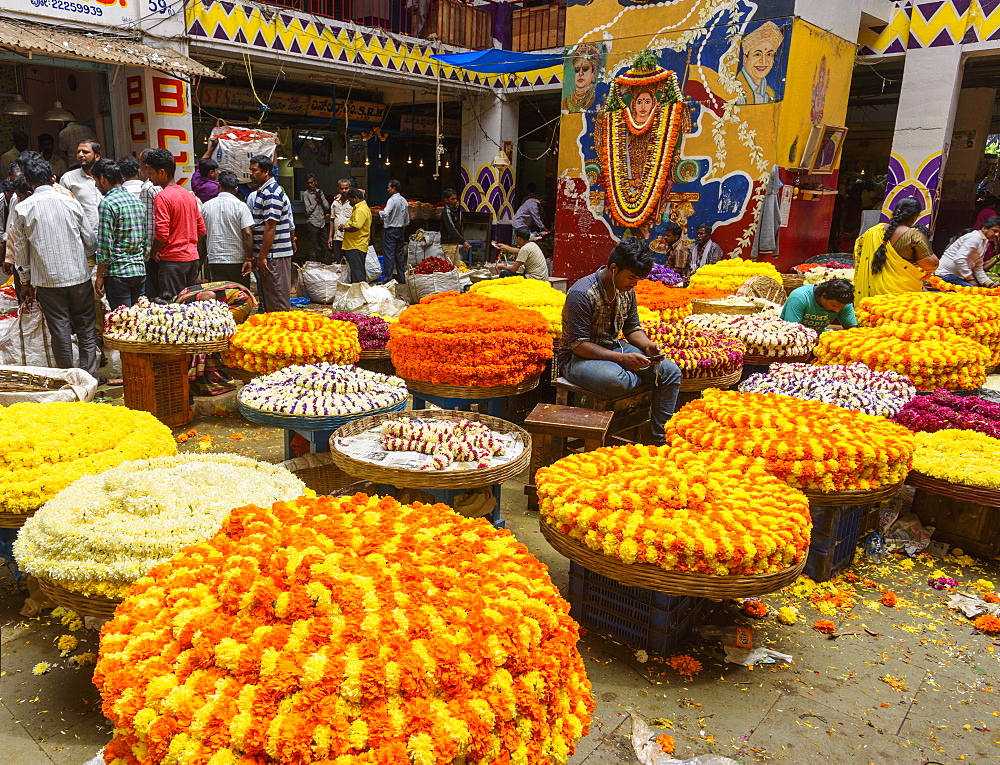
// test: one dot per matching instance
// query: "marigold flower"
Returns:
(788, 615)
(888, 598)
(67, 643)
(267, 342)
(666, 743)
(754, 607)
(729, 275)
(825, 626)
(959, 456)
(526, 293)
(41, 668)
(991, 597)
(987, 623)
(685, 665)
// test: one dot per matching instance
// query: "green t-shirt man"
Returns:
(817, 306)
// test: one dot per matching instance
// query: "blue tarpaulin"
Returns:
(498, 61)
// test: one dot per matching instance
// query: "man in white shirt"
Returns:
(340, 214)
(962, 263)
(82, 183)
(317, 209)
(395, 218)
(51, 239)
(228, 233)
(530, 259)
(47, 146)
(20, 144)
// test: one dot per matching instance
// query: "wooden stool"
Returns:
(552, 426)
(631, 410)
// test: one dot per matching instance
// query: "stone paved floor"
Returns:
(831, 705)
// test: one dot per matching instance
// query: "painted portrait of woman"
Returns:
(586, 66)
(758, 52)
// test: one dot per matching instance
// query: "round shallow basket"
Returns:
(301, 422)
(98, 607)
(751, 360)
(431, 479)
(378, 353)
(651, 577)
(318, 473)
(14, 520)
(14, 381)
(763, 287)
(978, 494)
(836, 498)
(715, 306)
(131, 346)
(691, 384)
(792, 282)
(466, 391)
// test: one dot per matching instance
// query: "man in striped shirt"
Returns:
(272, 237)
(121, 238)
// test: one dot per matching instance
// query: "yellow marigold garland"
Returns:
(469, 340)
(729, 275)
(527, 293)
(959, 456)
(676, 510)
(45, 447)
(809, 444)
(931, 357)
(347, 630)
(267, 342)
(940, 284)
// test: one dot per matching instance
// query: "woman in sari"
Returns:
(894, 257)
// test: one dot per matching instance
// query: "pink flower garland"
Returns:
(373, 332)
(942, 410)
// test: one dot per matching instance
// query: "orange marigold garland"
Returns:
(348, 630)
(889, 599)
(987, 623)
(754, 607)
(667, 744)
(808, 444)
(675, 510)
(469, 340)
(685, 665)
(267, 342)
(941, 285)
(672, 303)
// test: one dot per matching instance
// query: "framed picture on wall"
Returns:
(827, 156)
(804, 162)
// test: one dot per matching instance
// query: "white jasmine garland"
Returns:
(201, 321)
(102, 532)
(763, 335)
(323, 390)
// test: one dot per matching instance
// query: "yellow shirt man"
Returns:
(361, 219)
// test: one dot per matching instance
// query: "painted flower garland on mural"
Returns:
(347, 630)
(267, 342)
(45, 447)
(101, 533)
(959, 456)
(809, 444)
(527, 293)
(676, 510)
(469, 340)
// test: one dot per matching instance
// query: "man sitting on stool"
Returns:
(530, 259)
(601, 307)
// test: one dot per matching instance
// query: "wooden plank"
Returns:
(973, 527)
(571, 421)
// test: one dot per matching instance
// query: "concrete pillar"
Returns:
(158, 109)
(925, 119)
(958, 186)
(486, 122)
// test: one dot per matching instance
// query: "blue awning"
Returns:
(499, 61)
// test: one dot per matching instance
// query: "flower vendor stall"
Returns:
(767, 338)
(460, 458)
(45, 447)
(155, 342)
(706, 359)
(267, 342)
(90, 543)
(942, 410)
(957, 477)
(346, 629)
(854, 386)
(454, 350)
(729, 275)
(527, 293)
(313, 400)
(931, 357)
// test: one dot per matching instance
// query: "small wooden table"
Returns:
(630, 410)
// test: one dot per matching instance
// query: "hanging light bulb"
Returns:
(346, 160)
(387, 160)
(409, 159)
(367, 162)
(421, 162)
(447, 163)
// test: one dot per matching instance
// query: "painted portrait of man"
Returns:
(759, 51)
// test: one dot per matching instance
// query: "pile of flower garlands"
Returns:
(976, 317)
(959, 456)
(766, 306)
(932, 358)
(469, 340)
(373, 331)
(665, 275)
(45, 447)
(698, 352)
(323, 390)
(676, 510)
(200, 321)
(821, 274)
(942, 410)
(527, 293)
(446, 441)
(763, 335)
(940, 284)
(810, 445)
(347, 629)
(806, 267)
(434, 265)
(729, 275)
(101, 533)
(267, 342)
(854, 387)
(671, 303)
(706, 293)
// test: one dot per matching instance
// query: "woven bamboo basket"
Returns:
(690, 384)
(836, 498)
(318, 473)
(750, 359)
(132, 346)
(376, 353)
(978, 494)
(792, 282)
(13, 381)
(431, 479)
(694, 584)
(14, 520)
(714, 306)
(302, 422)
(98, 607)
(763, 287)
(466, 391)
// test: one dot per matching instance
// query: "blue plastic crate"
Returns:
(834, 539)
(635, 616)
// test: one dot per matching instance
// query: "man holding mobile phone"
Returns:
(599, 309)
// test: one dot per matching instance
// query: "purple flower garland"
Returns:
(942, 410)
(665, 275)
(373, 332)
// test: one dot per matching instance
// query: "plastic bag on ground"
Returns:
(368, 299)
(373, 268)
(650, 753)
(422, 285)
(319, 282)
(747, 658)
(79, 386)
(24, 338)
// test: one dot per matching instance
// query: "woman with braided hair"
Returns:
(894, 257)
